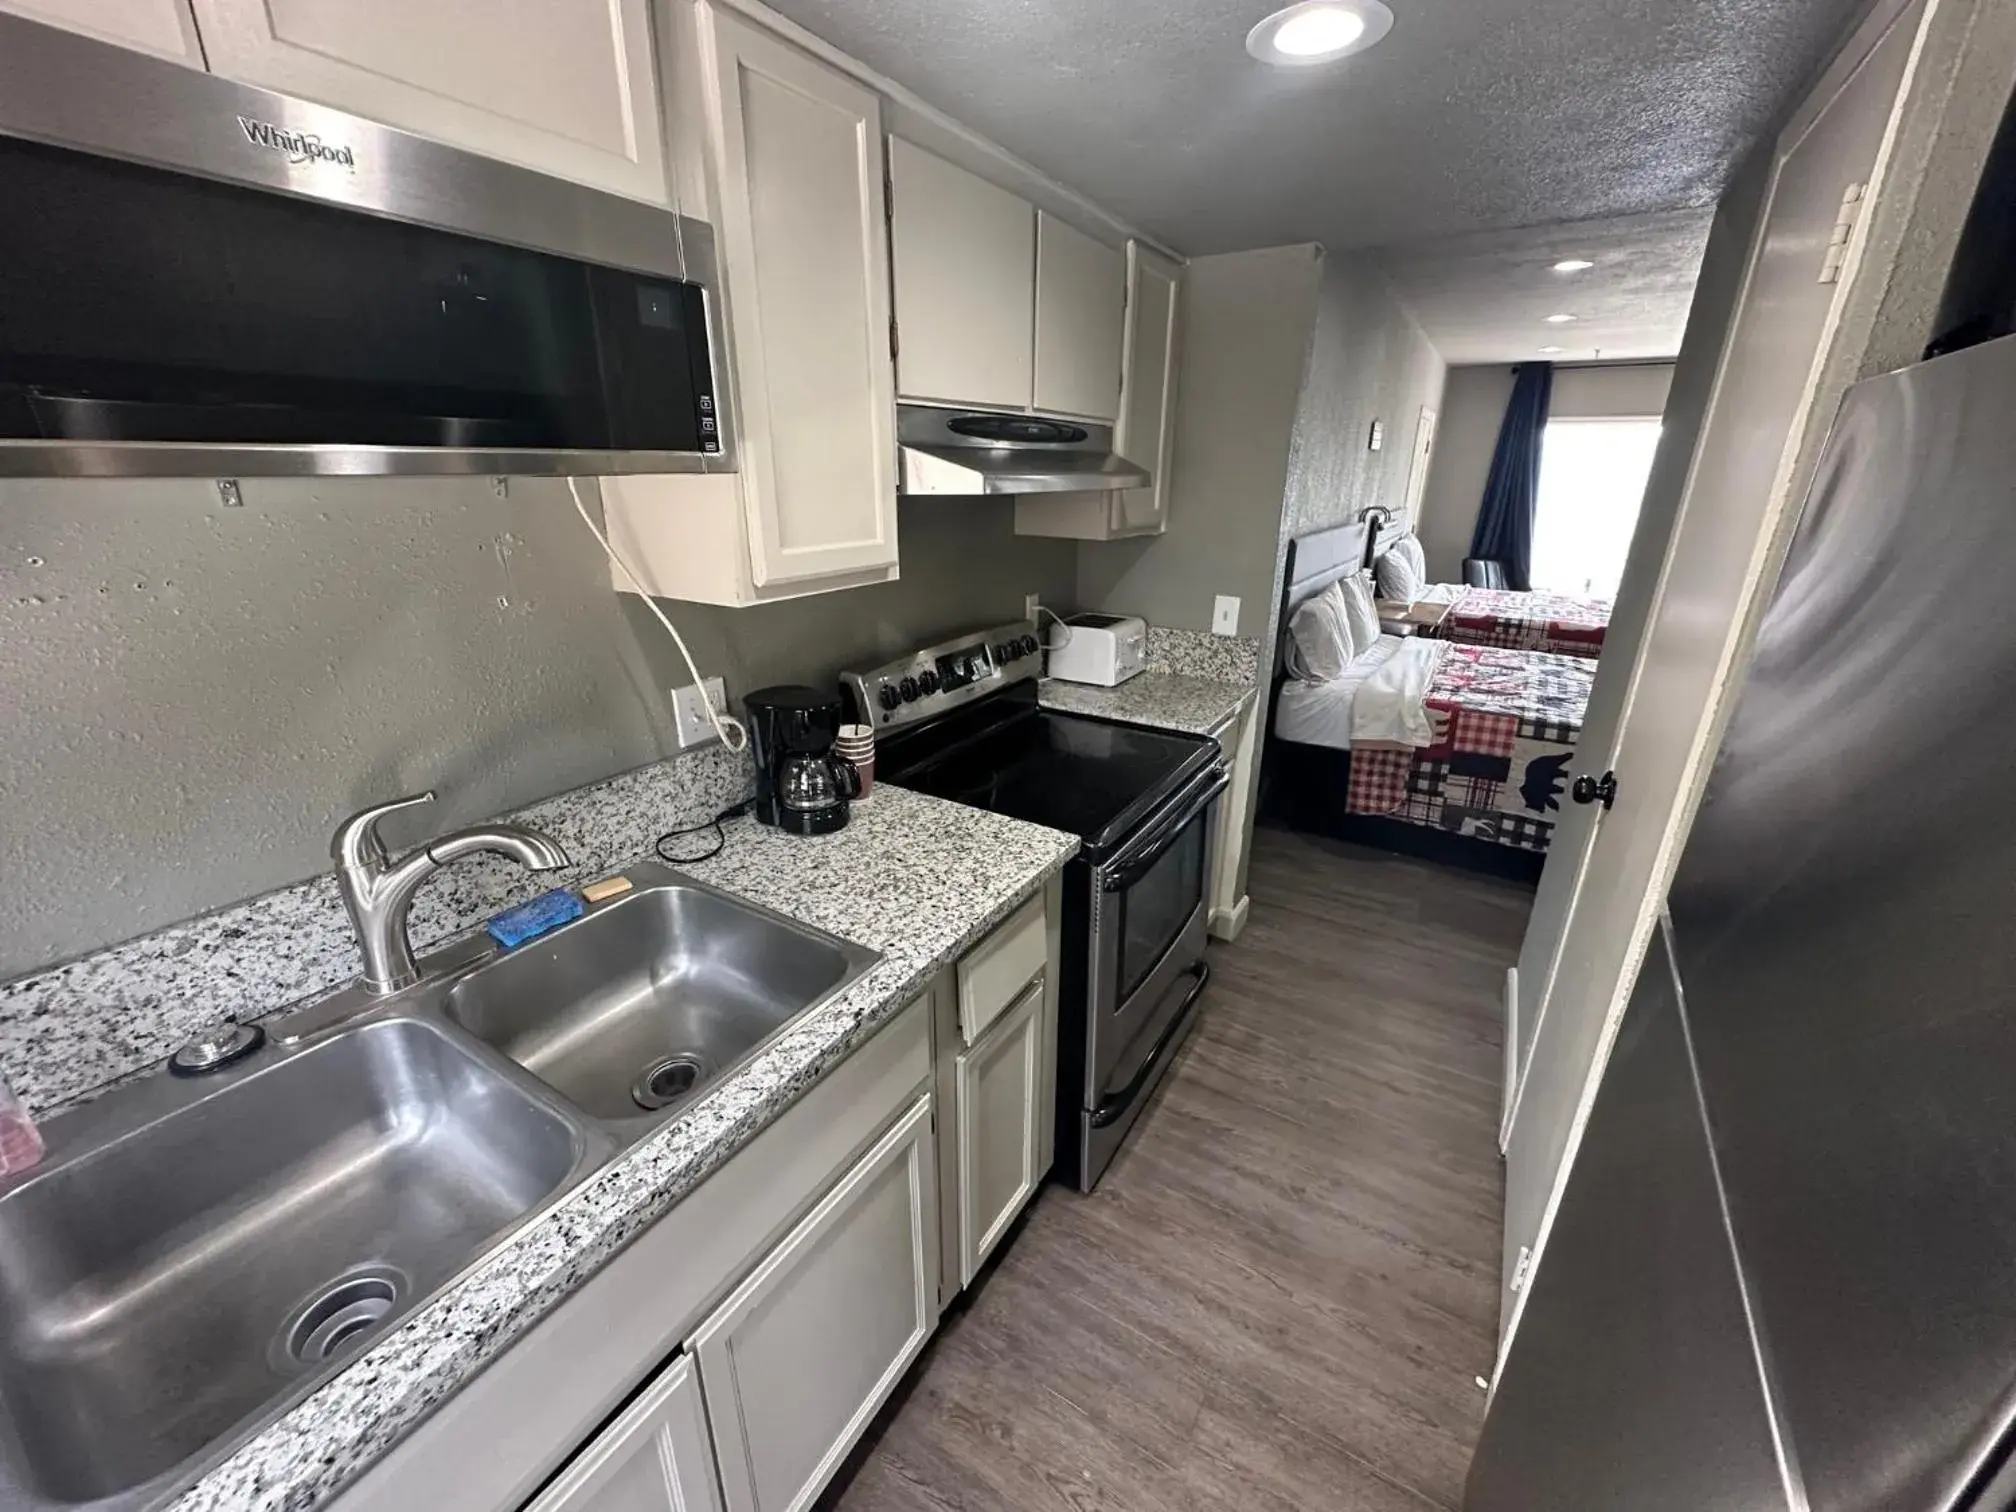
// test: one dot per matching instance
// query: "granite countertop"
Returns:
(918, 879)
(1162, 700)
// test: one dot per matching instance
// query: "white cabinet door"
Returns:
(796, 1362)
(1081, 295)
(804, 244)
(965, 273)
(1146, 434)
(654, 1458)
(163, 27)
(1001, 1110)
(567, 89)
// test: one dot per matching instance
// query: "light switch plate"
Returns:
(690, 724)
(1225, 615)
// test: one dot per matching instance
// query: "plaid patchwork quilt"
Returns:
(1527, 622)
(1506, 723)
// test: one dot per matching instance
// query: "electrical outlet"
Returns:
(1030, 604)
(690, 723)
(1225, 615)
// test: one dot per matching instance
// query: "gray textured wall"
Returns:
(1368, 359)
(1472, 409)
(195, 695)
(1248, 318)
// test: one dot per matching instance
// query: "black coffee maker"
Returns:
(801, 786)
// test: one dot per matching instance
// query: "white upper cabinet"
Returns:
(803, 236)
(1080, 293)
(163, 27)
(569, 89)
(965, 260)
(783, 154)
(1147, 431)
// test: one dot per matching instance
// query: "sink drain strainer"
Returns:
(340, 1314)
(664, 1082)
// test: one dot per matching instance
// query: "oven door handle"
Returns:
(1112, 1109)
(1132, 864)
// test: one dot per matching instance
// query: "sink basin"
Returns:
(165, 1288)
(632, 1010)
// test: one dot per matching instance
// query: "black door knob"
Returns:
(1601, 790)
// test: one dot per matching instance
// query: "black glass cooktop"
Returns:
(1083, 776)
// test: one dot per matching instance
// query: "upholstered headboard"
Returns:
(1317, 560)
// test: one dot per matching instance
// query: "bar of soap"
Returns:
(608, 887)
(528, 921)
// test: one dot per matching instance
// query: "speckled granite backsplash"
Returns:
(1192, 653)
(72, 1028)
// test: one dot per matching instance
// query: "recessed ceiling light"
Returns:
(1318, 31)
(1550, 351)
(1561, 319)
(1573, 265)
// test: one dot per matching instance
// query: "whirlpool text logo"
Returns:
(299, 146)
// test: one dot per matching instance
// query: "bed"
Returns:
(1508, 618)
(1490, 763)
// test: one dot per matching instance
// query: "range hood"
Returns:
(967, 452)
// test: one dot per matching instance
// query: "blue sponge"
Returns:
(528, 921)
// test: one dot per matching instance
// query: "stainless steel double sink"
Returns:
(197, 1254)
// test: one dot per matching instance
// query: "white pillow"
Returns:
(1320, 646)
(1402, 570)
(1360, 612)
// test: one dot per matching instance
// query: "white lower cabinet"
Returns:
(654, 1458)
(795, 1363)
(1000, 1116)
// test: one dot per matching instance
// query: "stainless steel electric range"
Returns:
(960, 721)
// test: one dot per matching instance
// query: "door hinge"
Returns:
(1601, 790)
(1838, 240)
(895, 342)
(888, 197)
(1520, 1267)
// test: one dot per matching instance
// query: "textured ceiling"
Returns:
(1486, 297)
(1472, 115)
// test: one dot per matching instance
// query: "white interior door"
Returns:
(1667, 660)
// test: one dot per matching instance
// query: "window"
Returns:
(1592, 480)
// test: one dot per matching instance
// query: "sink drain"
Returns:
(664, 1082)
(341, 1313)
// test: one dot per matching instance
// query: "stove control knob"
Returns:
(888, 697)
(928, 681)
(1030, 645)
(1005, 653)
(909, 689)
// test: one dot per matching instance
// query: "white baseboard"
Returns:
(1225, 923)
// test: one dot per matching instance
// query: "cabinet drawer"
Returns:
(995, 971)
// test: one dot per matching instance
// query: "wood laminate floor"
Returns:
(1283, 1292)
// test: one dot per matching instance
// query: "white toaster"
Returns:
(1102, 649)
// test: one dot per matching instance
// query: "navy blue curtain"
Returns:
(1505, 519)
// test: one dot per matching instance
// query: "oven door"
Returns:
(1146, 961)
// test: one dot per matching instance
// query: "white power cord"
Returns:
(723, 723)
(1062, 624)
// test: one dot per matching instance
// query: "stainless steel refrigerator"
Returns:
(1784, 1271)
